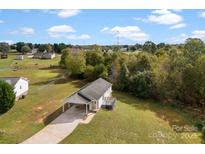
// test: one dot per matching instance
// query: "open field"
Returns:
(135, 121)
(28, 115)
(132, 121)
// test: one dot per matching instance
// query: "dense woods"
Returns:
(169, 73)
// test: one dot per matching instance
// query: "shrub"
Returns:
(141, 84)
(7, 97)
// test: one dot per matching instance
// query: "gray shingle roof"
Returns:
(10, 80)
(95, 89)
(92, 91)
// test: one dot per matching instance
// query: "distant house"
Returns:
(93, 96)
(44, 55)
(3, 55)
(20, 85)
(31, 53)
(19, 57)
(38, 55)
(48, 55)
(123, 49)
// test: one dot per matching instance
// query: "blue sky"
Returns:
(101, 26)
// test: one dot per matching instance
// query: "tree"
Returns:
(100, 70)
(141, 84)
(94, 57)
(25, 49)
(122, 82)
(59, 47)
(193, 47)
(75, 63)
(4, 48)
(19, 45)
(44, 47)
(161, 45)
(89, 73)
(64, 55)
(7, 97)
(149, 47)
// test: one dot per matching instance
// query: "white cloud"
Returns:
(8, 41)
(1, 21)
(66, 32)
(26, 31)
(60, 30)
(104, 29)
(179, 39)
(164, 17)
(78, 37)
(177, 26)
(163, 11)
(202, 14)
(133, 33)
(63, 13)
(195, 34)
(68, 13)
(198, 34)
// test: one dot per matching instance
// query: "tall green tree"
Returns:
(7, 97)
(19, 45)
(193, 48)
(25, 49)
(149, 47)
(75, 63)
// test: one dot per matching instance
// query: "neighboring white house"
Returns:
(20, 85)
(19, 57)
(93, 96)
(48, 55)
(44, 55)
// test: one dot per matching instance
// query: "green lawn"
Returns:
(28, 115)
(135, 121)
(132, 121)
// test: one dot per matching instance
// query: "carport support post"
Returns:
(86, 109)
(63, 107)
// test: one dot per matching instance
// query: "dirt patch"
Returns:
(18, 121)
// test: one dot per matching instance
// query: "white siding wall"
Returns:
(21, 87)
(106, 94)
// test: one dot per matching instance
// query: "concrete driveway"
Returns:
(58, 129)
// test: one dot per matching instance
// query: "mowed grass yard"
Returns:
(132, 121)
(135, 121)
(28, 115)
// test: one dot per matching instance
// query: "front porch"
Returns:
(109, 103)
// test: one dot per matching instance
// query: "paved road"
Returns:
(58, 129)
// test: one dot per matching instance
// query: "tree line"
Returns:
(169, 73)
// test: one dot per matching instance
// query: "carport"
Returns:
(76, 99)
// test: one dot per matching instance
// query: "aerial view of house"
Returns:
(93, 96)
(102, 76)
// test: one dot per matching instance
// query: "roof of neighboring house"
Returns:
(12, 80)
(92, 91)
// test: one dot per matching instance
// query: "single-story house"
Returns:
(44, 55)
(31, 53)
(19, 57)
(3, 55)
(93, 96)
(48, 55)
(20, 85)
(38, 55)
